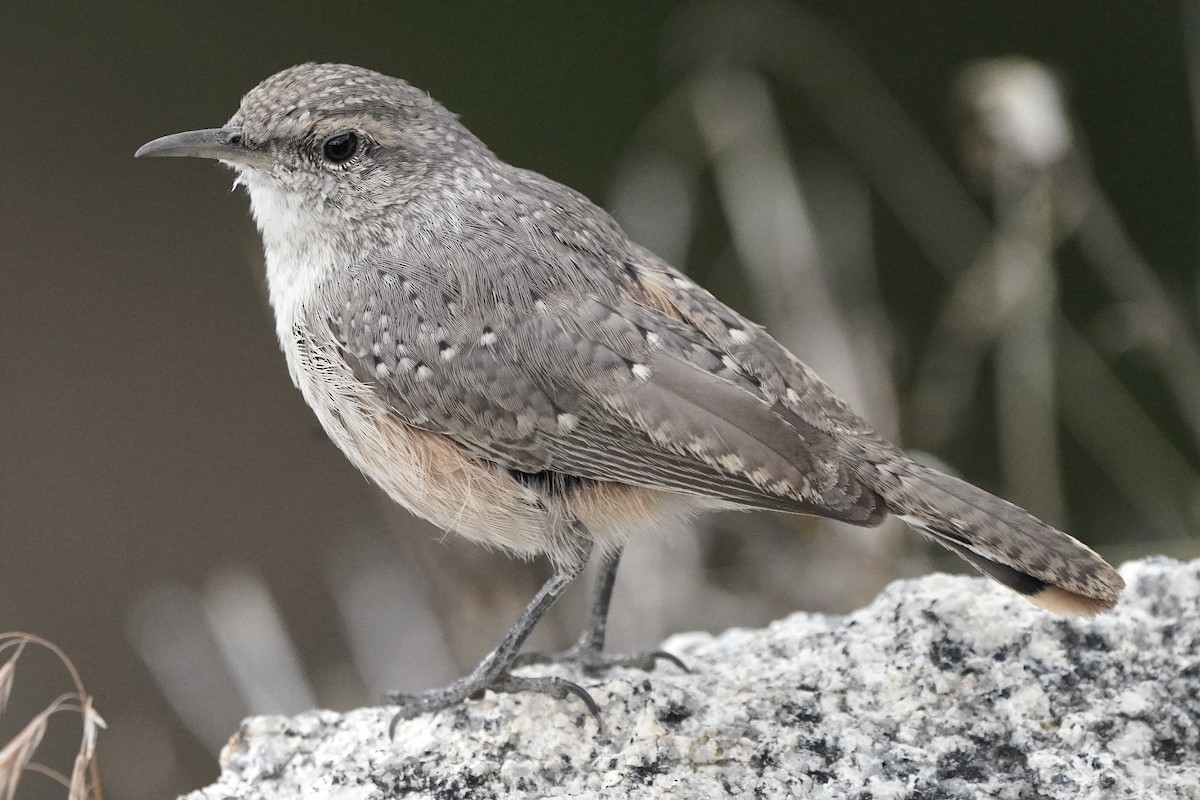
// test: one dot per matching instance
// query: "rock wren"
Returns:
(491, 349)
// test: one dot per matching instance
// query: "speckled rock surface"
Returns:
(944, 687)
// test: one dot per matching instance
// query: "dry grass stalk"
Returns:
(16, 757)
(7, 673)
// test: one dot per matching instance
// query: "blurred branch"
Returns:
(168, 628)
(1017, 141)
(782, 40)
(474, 593)
(1110, 424)
(1171, 340)
(387, 615)
(1015, 132)
(250, 634)
(1025, 392)
(1190, 18)
(773, 233)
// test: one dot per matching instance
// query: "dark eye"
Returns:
(341, 147)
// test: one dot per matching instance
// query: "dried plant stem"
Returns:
(16, 757)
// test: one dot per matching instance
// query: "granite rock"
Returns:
(944, 687)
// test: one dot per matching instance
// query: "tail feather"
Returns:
(1001, 540)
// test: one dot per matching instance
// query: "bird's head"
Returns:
(332, 149)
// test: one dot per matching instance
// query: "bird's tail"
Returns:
(999, 539)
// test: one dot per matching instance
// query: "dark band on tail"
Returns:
(1019, 582)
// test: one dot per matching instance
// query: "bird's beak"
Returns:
(224, 144)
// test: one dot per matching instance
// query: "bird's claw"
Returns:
(414, 705)
(592, 661)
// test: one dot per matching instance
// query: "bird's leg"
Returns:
(494, 672)
(591, 641)
(588, 650)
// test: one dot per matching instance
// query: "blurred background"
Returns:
(977, 221)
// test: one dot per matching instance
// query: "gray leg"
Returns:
(587, 652)
(493, 673)
(592, 638)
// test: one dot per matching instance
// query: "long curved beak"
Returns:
(223, 144)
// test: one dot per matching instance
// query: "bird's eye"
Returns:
(341, 147)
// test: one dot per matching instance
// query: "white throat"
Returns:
(299, 251)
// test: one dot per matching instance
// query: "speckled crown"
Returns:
(296, 94)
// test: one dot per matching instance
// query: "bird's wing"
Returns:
(599, 385)
(781, 377)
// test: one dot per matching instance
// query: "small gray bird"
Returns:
(490, 348)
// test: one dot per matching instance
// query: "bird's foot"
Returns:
(592, 660)
(474, 685)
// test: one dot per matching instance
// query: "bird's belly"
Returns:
(426, 472)
(432, 476)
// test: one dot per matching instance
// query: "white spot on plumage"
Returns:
(488, 338)
(381, 370)
(641, 372)
(731, 462)
(760, 477)
(653, 338)
(448, 353)
(567, 422)
(738, 335)
(730, 364)
(423, 372)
